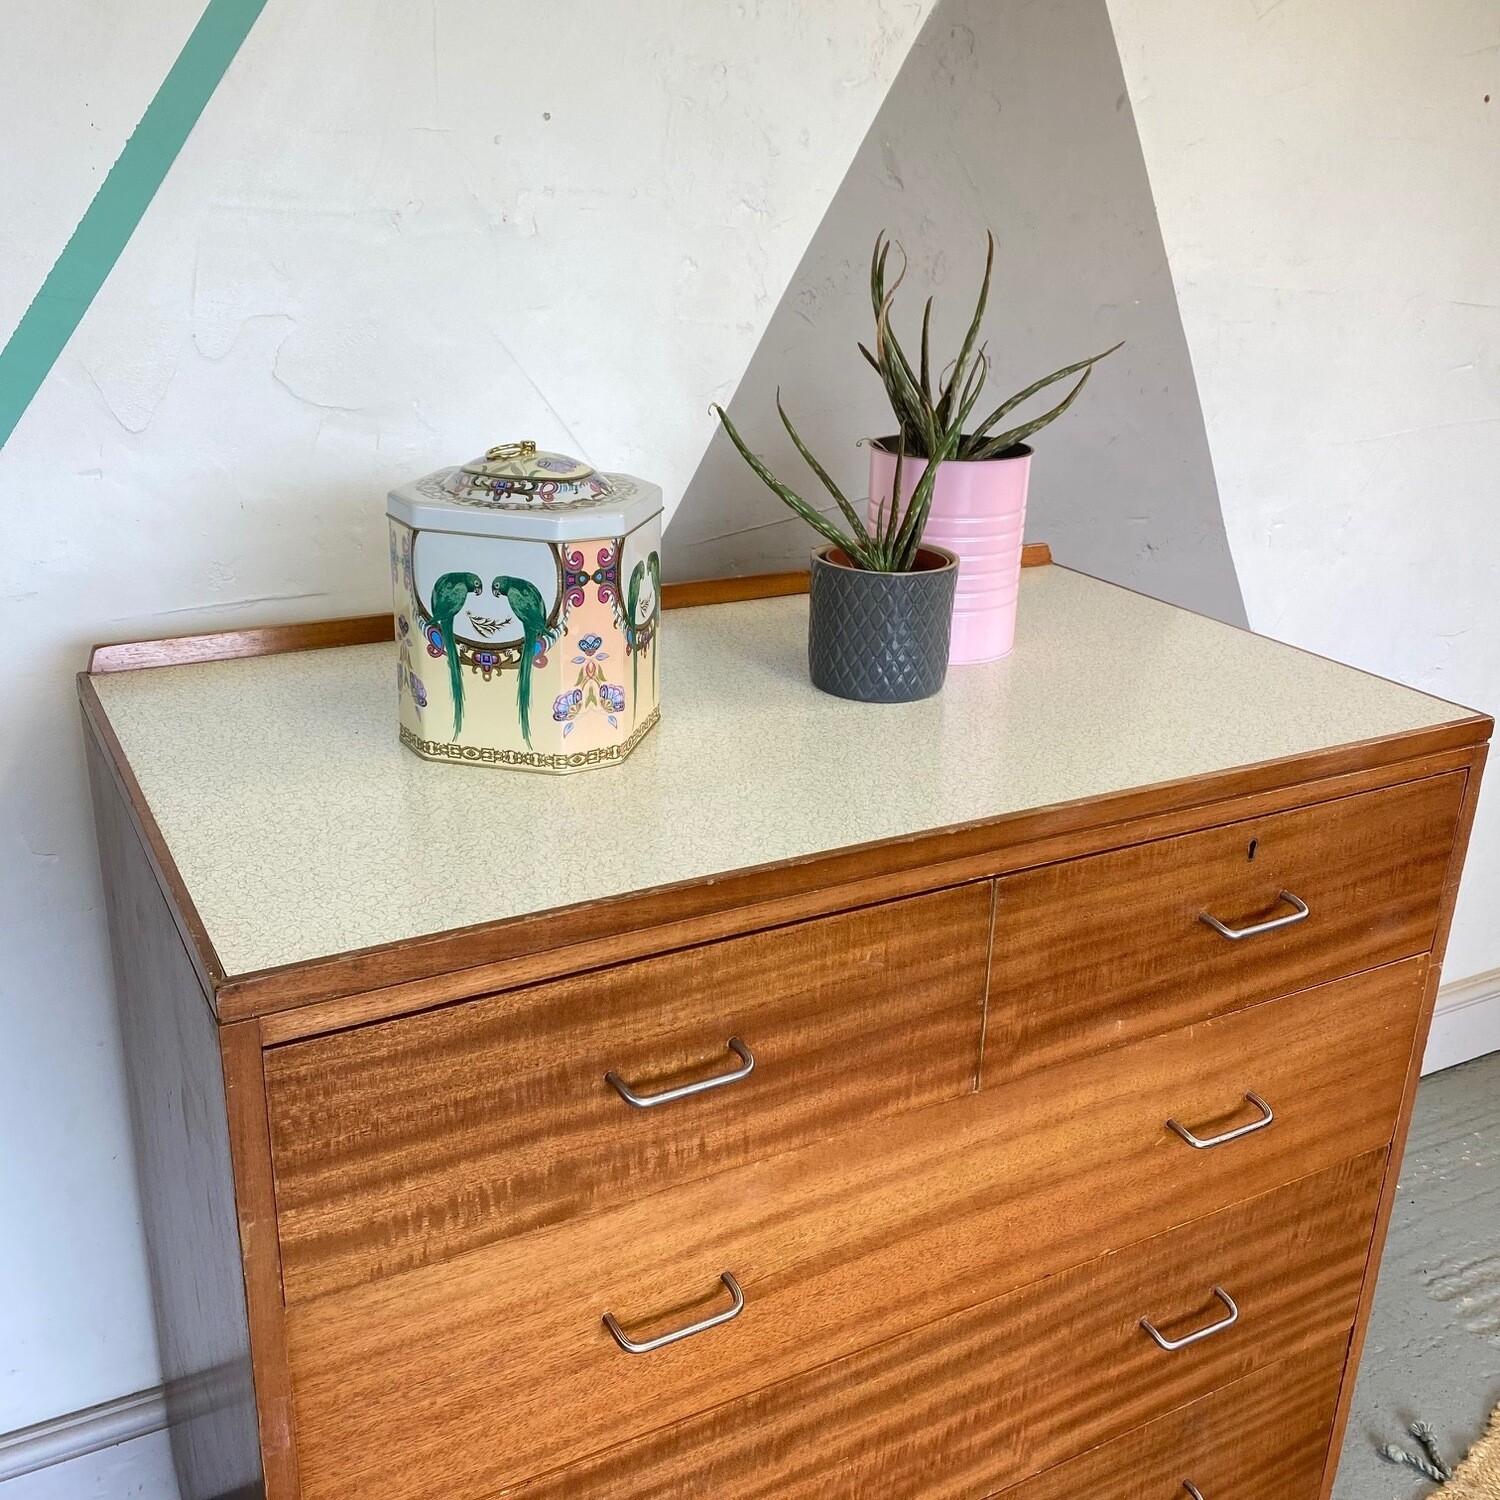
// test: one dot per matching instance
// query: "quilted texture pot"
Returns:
(880, 637)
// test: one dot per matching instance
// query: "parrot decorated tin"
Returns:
(527, 593)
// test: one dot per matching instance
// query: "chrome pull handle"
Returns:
(1192, 1489)
(1202, 1333)
(1200, 1143)
(686, 1090)
(1234, 934)
(645, 1346)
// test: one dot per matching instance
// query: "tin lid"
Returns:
(515, 490)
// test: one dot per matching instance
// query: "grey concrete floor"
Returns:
(1433, 1351)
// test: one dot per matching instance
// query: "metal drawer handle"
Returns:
(687, 1090)
(647, 1345)
(1198, 1143)
(1234, 934)
(1202, 1333)
(1192, 1489)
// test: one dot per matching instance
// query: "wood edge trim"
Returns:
(1389, 1187)
(370, 630)
(243, 1061)
(838, 879)
(733, 590)
(1461, 836)
(189, 924)
(229, 645)
(1390, 1183)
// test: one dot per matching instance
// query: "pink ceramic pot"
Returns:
(979, 512)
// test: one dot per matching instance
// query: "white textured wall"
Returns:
(403, 230)
(1327, 176)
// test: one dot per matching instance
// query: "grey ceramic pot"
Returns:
(880, 637)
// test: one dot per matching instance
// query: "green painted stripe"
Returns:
(119, 205)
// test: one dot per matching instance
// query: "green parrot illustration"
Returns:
(530, 609)
(449, 595)
(653, 564)
(632, 625)
(632, 604)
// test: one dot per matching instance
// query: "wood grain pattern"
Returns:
(1261, 1438)
(255, 1206)
(1403, 1124)
(230, 645)
(1101, 950)
(182, 1152)
(993, 1394)
(442, 985)
(691, 594)
(838, 1246)
(1459, 852)
(405, 1143)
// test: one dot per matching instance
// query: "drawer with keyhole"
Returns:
(1094, 952)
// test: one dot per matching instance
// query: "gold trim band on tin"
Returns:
(528, 760)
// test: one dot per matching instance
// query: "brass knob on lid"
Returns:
(524, 449)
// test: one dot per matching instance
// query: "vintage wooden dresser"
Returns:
(997, 1095)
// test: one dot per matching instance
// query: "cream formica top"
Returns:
(303, 829)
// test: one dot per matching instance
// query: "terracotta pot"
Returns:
(979, 512)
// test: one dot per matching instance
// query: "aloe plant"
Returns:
(920, 408)
(932, 424)
(891, 545)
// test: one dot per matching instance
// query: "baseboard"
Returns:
(1466, 1023)
(82, 1432)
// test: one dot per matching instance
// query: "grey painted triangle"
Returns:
(1013, 116)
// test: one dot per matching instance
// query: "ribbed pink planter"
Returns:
(979, 512)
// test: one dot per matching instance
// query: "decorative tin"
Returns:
(528, 608)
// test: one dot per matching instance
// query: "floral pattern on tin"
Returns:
(592, 692)
(604, 575)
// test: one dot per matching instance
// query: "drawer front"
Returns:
(1263, 1438)
(969, 1405)
(837, 1247)
(1098, 951)
(411, 1141)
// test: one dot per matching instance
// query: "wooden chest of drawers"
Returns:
(940, 1101)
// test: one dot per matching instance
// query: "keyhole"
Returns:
(1253, 843)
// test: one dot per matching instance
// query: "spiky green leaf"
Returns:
(975, 438)
(856, 525)
(790, 498)
(993, 447)
(945, 405)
